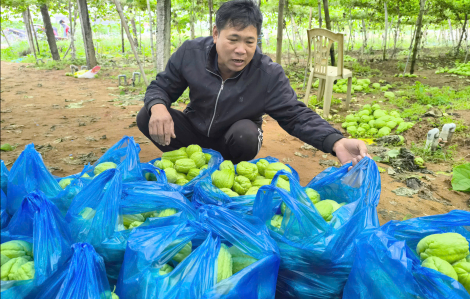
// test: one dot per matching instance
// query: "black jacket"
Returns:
(261, 87)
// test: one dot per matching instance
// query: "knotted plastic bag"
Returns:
(188, 188)
(206, 193)
(387, 265)
(83, 276)
(39, 222)
(316, 256)
(125, 154)
(29, 174)
(182, 260)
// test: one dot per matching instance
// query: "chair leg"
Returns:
(348, 96)
(328, 95)
(309, 86)
(321, 90)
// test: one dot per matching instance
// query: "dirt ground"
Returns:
(72, 121)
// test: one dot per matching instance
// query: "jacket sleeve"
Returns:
(169, 84)
(293, 116)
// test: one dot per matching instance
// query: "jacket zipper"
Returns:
(218, 95)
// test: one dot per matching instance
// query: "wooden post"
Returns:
(72, 30)
(27, 24)
(87, 34)
(163, 33)
(385, 33)
(328, 26)
(122, 37)
(210, 17)
(129, 37)
(280, 27)
(319, 14)
(34, 31)
(154, 58)
(419, 24)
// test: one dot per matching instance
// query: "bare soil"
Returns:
(72, 121)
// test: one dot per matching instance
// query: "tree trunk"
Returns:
(163, 33)
(154, 58)
(280, 27)
(191, 20)
(129, 36)
(210, 17)
(328, 26)
(72, 29)
(310, 19)
(122, 37)
(320, 20)
(134, 30)
(6, 38)
(396, 32)
(293, 29)
(385, 33)
(49, 32)
(87, 34)
(34, 31)
(451, 33)
(350, 29)
(461, 36)
(419, 24)
(27, 24)
(364, 30)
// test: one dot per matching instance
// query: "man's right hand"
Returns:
(161, 126)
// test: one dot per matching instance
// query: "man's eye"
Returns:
(232, 40)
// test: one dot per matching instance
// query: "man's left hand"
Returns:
(350, 150)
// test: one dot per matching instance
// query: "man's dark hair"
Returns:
(239, 14)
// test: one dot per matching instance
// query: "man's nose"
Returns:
(240, 50)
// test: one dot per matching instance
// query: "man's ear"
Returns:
(215, 34)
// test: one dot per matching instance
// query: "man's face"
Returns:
(235, 48)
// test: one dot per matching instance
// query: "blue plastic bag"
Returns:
(387, 266)
(96, 213)
(83, 276)
(125, 154)
(38, 221)
(150, 248)
(213, 165)
(206, 193)
(316, 256)
(4, 216)
(29, 174)
(4, 177)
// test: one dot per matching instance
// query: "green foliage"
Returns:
(461, 178)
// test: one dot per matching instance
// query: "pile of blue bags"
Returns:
(126, 232)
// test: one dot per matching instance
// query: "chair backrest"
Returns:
(322, 39)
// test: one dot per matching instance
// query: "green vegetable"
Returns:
(326, 208)
(229, 192)
(273, 168)
(375, 107)
(181, 182)
(184, 165)
(63, 183)
(163, 164)
(128, 219)
(171, 175)
(391, 124)
(180, 175)
(402, 127)
(276, 220)
(313, 195)
(361, 131)
(193, 148)
(103, 166)
(372, 132)
(167, 212)
(461, 178)
(418, 161)
(87, 213)
(450, 247)
(384, 132)
(175, 155)
(240, 260)
(16, 248)
(252, 191)
(183, 253)
(164, 270)
(281, 183)
(376, 85)
(438, 264)
(262, 164)
(398, 120)
(194, 172)
(9, 270)
(365, 126)
(204, 167)
(25, 272)
(4, 259)
(227, 164)
(379, 113)
(207, 157)
(248, 170)
(223, 178)
(462, 270)
(259, 183)
(224, 263)
(6, 147)
(395, 114)
(241, 185)
(351, 118)
(352, 130)
(199, 159)
(135, 224)
(367, 107)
